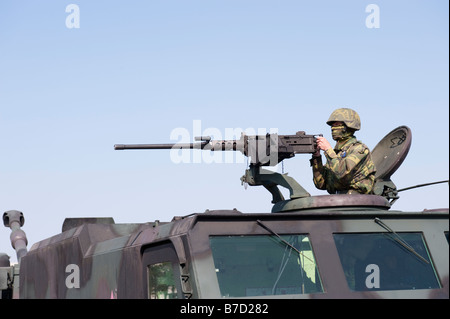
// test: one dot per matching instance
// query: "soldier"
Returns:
(349, 168)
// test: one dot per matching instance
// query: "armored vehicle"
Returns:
(327, 246)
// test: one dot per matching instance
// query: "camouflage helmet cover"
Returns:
(348, 116)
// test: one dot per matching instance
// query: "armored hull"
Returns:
(316, 253)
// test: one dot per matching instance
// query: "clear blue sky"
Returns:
(136, 70)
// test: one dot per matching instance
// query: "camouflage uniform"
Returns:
(349, 168)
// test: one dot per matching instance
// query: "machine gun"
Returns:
(263, 150)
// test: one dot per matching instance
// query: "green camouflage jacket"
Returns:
(349, 169)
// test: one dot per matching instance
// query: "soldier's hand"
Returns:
(322, 143)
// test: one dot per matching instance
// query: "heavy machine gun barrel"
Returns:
(205, 144)
(152, 146)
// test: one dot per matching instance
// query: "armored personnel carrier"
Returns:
(328, 246)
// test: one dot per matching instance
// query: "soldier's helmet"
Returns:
(348, 116)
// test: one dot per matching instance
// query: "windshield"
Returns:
(264, 265)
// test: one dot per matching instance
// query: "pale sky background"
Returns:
(136, 70)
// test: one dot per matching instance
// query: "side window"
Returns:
(446, 236)
(379, 261)
(250, 266)
(161, 281)
(161, 271)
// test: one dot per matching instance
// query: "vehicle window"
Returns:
(161, 281)
(446, 236)
(264, 265)
(377, 261)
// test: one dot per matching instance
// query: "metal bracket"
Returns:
(387, 189)
(256, 176)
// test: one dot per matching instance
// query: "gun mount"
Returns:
(263, 150)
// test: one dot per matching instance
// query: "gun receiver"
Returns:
(263, 150)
